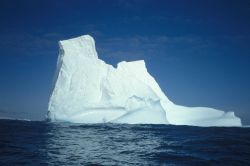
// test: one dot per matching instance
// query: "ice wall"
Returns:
(87, 90)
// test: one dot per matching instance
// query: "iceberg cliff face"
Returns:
(87, 90)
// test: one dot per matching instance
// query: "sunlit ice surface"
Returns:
(88, 90)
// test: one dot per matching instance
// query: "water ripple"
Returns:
(44, 143)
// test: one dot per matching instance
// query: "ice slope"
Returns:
(87, 90)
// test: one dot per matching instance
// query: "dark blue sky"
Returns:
(198, 51)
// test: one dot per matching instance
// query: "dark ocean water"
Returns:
(44, 143)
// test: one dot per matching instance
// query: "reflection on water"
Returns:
(112, 144)
(104, 144)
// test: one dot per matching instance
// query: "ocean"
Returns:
(46, 143)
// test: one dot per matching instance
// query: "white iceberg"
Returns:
(87, 90)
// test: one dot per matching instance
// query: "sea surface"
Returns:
(46, 143)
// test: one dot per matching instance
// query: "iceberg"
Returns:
(88, 90)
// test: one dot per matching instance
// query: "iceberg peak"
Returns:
(82, 46)
(87, 90)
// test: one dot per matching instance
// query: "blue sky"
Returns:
(198, 51)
